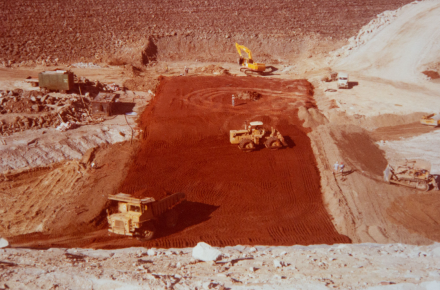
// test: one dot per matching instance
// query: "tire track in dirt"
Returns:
(37, 195)
(264, 197)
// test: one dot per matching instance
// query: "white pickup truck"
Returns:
(342, 80)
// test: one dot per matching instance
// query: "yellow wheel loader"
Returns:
(411, 173)
(249, 66)
(248, 138)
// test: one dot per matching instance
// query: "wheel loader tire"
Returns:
(246, 145)
(171, 218)
(273, 143)
(421, 185)
(147, 231)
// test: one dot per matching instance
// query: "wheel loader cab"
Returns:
(135, 208)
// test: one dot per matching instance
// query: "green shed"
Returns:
(58, 80)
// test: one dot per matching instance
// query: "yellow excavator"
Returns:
(249, 66)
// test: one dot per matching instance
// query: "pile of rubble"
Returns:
(212, 69)
(248, 95)
(54, 110)
(365, 266)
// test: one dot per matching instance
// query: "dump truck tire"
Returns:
(273, 143)
(147, 231)
(246, 145)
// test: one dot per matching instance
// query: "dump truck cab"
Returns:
(132, 216)
(342, 80)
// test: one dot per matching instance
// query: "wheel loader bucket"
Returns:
(387, 174)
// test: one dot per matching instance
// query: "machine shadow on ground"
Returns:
(121, 108)
(352, 84)
(194, 212)
(269, 71)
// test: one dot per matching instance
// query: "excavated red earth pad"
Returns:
(264, 197)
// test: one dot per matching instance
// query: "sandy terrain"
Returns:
(403, 49)
(366, 266)
(383, 110)
(386, 68)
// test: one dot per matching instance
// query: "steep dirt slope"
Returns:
(59, 31)
(403, 49)
(61, 199)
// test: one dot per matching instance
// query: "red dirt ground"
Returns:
(264, 197)
(260, 198)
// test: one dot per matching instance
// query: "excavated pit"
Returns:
(264, 197)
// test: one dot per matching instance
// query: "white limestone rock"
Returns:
(205, 252)
(3, 243)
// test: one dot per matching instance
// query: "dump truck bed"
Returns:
(161, 206)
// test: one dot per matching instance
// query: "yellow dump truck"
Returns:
(138, 217)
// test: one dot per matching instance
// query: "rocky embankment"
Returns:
(364, 266)
(51, 32)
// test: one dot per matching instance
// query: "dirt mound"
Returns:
(34, 110)
(431, 74)
(141, 83)
(211, 69)
(398, 50)
(248, 95)
(359, 149)
(59, 200)
(311, 117)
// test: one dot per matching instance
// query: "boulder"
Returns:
(205, 252)
(3, 243)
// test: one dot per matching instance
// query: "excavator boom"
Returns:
(248, 63)
(245, 49)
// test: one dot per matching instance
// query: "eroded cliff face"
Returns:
(61, 32)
